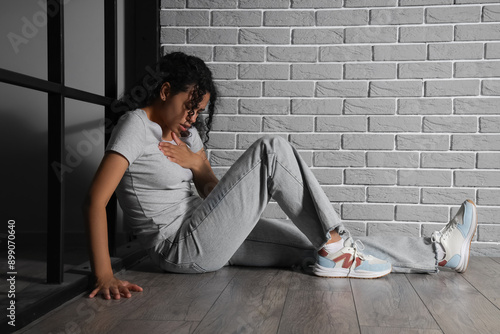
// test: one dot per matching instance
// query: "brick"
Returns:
(393, 195)
(475, 142)
(307, 157)
(342, 17)
(212, 4)
(184, 18)
(423, 142)
(434, 178)
(264, 36)
(370, 71)
(237, 18)
(396, 16)
(424, 70)
(274, 211)
(220, 140)
(394, 124)
(450, 124)
(341, 124)
(452, 87)
(318, 36)
(328, 175)
(224, 158)
(480, 106)
(446, 195)
(173, 4)
(264, 106)
(424, 2)
(368, 211)
(345, 53)
(342, 89)
(316, 106)
(316, 141)
(488, 215)
(397, 229)
(457, 14)
(339, 159)
(203, 52)
(239, 53)
(238, 88)
(399, 52)
(172, 35)
(370, 3)
(396, 88)
(287, 18)
(446, 51)
(428, 229)
(369, 106)
(223, 71)
(477, 69)
(316, 71)
(287, 123)
(236, 123)
(345, 194)
(212, 36)
(425, 106)
(488, 233)
(288, 88)
(371, 35)
(426, 34)
(264, 71)
(392, 159)
(367, 142)
(490, 87)
(491, 13)
(226, 106)
(448, 160)
(245, 140)
(477, 32)
(488, 197)
(460, 2)
(492, 51)
(262, 4)
(292, 53)
(488, 160)
(489, 124)
(316, 3)
(477, 178)
(421, 213)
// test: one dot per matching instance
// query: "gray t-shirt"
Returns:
(154, 193)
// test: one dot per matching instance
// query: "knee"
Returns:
(273, 141)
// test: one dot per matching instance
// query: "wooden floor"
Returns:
(268, 300)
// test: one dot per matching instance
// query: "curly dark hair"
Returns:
(183, 72)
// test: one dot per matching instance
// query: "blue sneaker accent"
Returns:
(453, 262)
(324, 262)
(467, 220)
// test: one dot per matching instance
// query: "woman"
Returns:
(156, 151)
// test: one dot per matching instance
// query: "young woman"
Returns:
(156, 151)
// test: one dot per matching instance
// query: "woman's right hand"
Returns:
(113, 287)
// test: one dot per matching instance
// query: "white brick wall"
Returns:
(394, 104)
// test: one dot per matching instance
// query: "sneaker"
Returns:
(456, 236)
(350, 262)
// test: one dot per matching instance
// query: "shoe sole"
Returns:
(345, 273)
(465, 251)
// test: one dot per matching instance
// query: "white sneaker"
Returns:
(456, 237)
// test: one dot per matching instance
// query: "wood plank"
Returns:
(309, 282)
(392, 330)
(185, 297)
(496, 259)
(390, 302)
(319, 312)
(155, 327)
(455, 304)
(252, 302)
(483, 273)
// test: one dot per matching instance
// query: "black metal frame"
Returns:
(146, 40)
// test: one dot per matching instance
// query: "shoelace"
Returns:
(443, 234)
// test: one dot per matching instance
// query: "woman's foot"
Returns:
(350, 262)
(455, 238)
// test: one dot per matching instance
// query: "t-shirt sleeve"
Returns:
(128, 137)
(194, 140)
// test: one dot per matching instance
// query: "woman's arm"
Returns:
(203, 176)
(106, 180)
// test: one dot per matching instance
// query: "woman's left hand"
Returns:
(180, 153)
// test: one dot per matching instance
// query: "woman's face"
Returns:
(176, 115)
